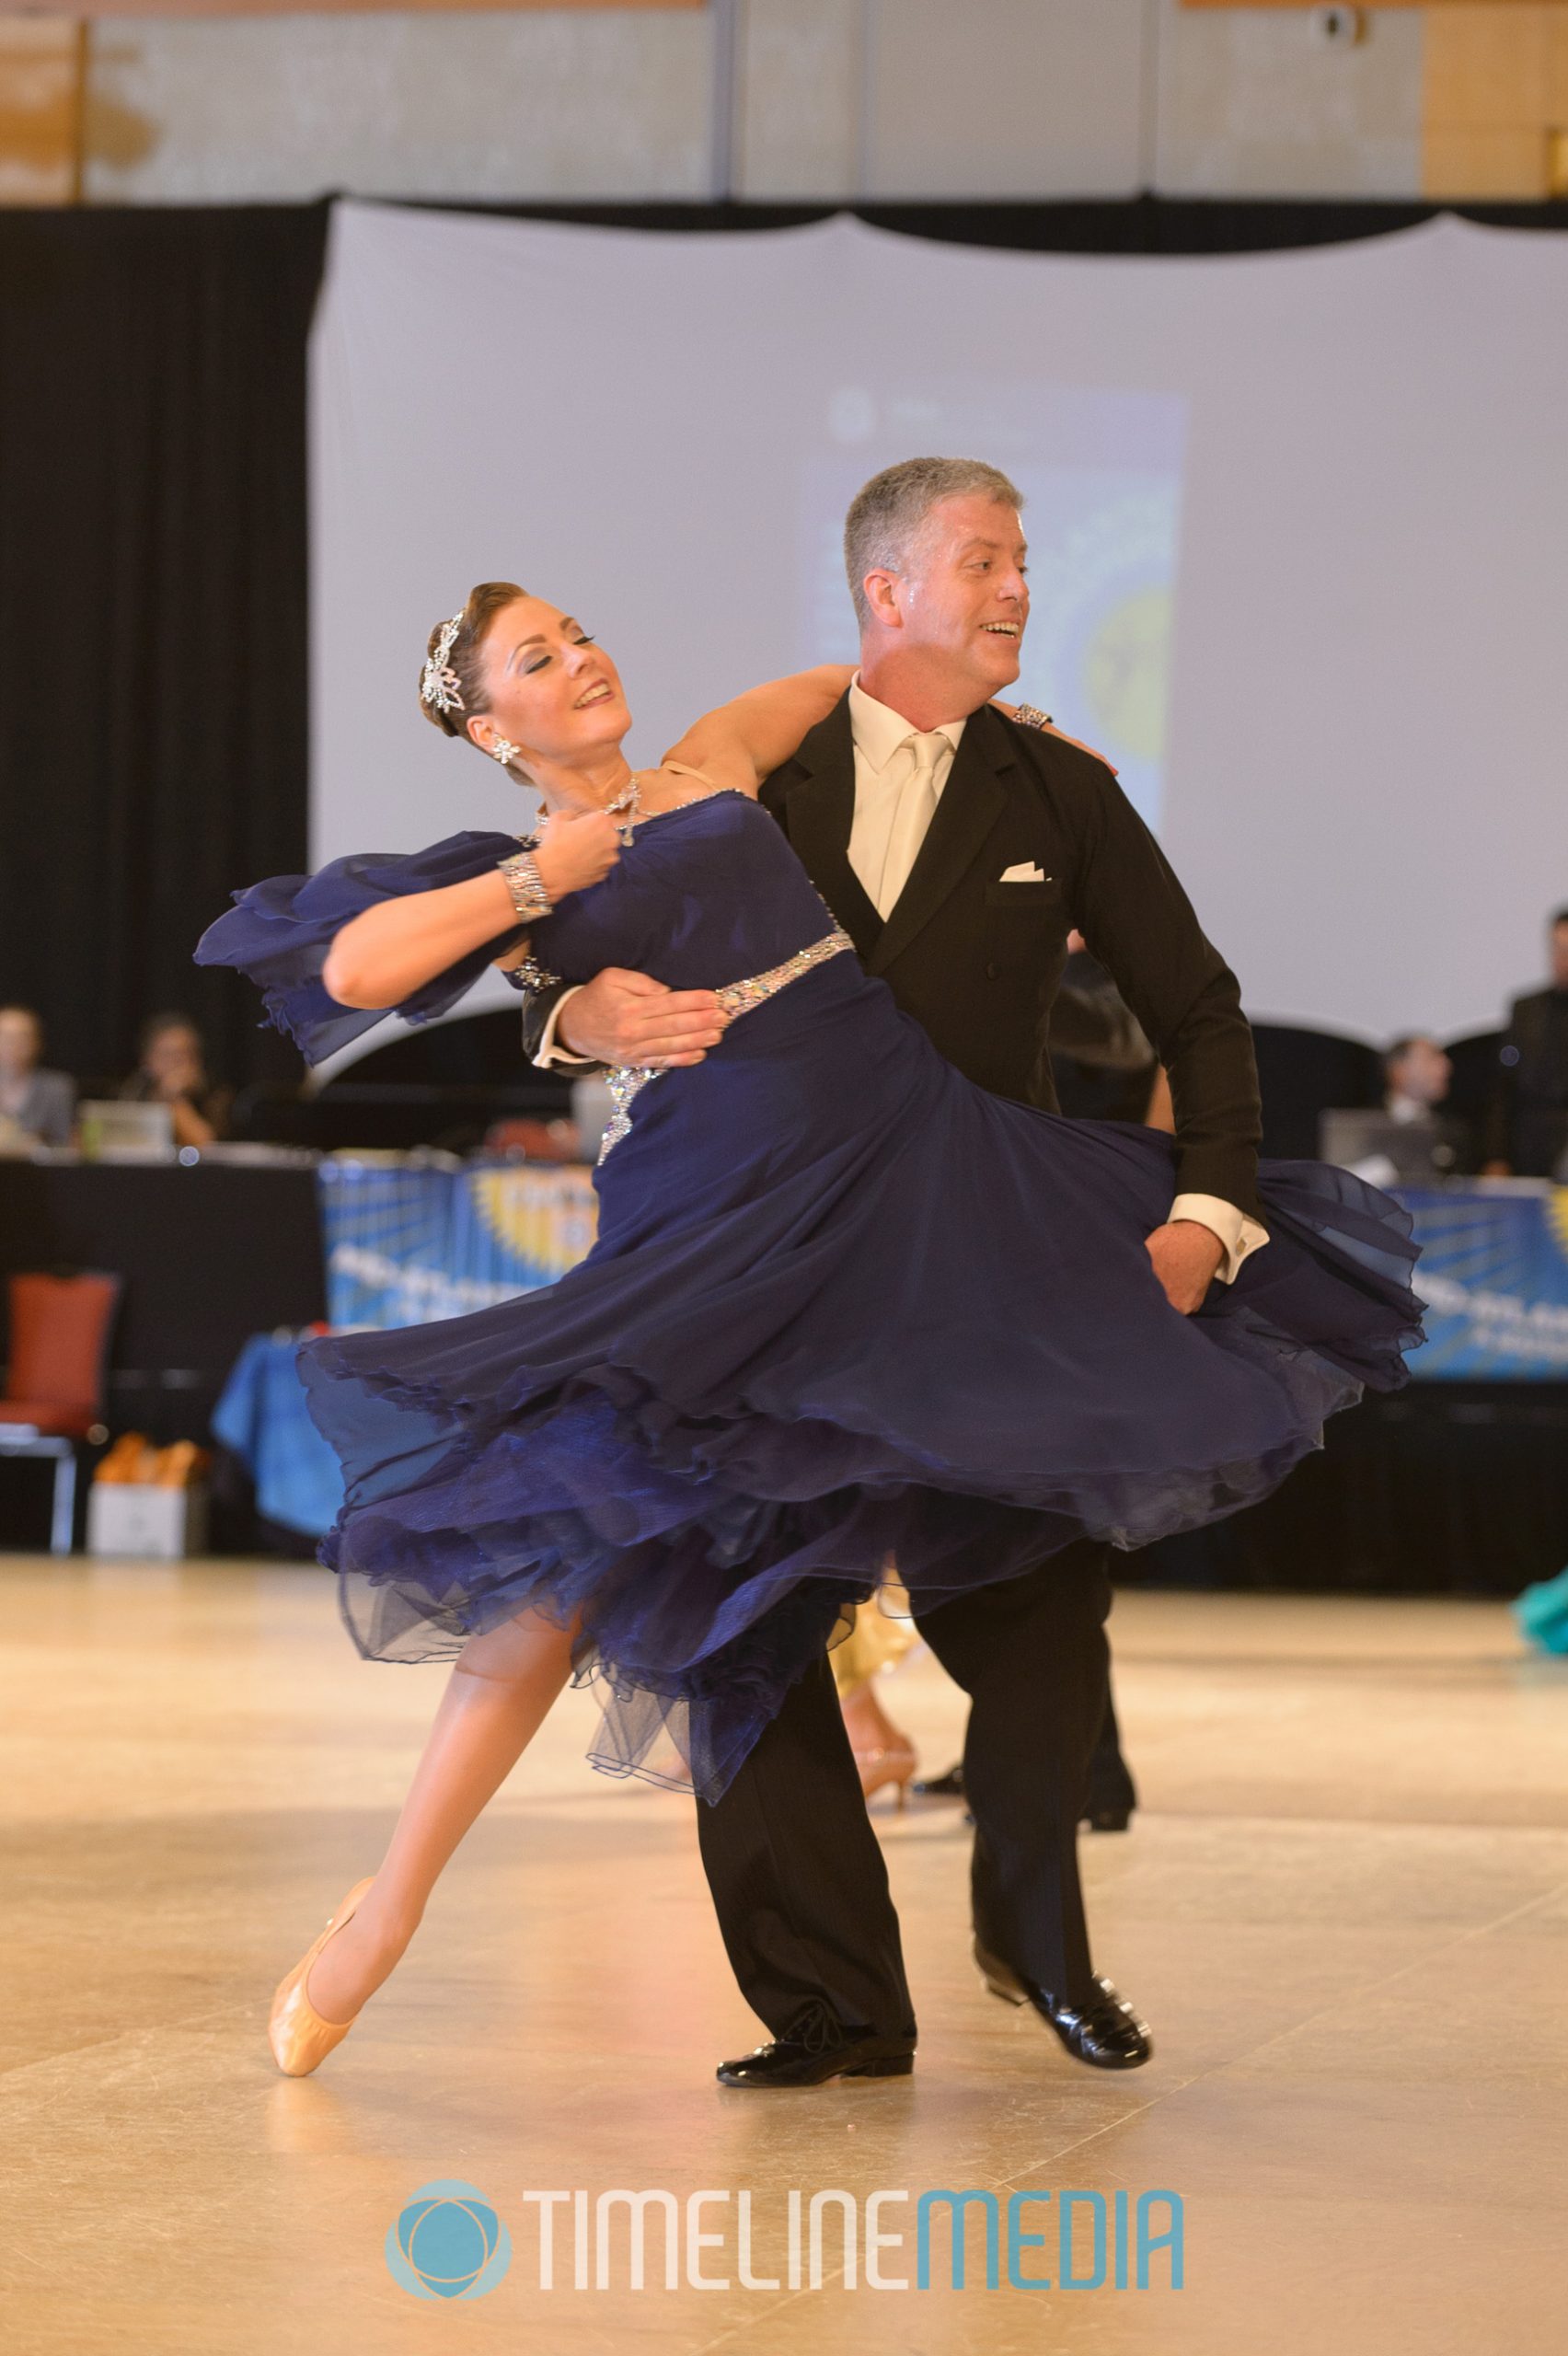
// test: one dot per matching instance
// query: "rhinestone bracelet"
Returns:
(526, 885)
(1029, 715)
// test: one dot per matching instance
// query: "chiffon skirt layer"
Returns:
(847, 1311)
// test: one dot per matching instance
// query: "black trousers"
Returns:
(1111, 1783)
(797, 1872)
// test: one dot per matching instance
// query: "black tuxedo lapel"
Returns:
(971, 801)
(819, 808)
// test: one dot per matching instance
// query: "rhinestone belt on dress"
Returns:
(624, 1080)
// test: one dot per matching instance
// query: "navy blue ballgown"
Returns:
(846, 1309)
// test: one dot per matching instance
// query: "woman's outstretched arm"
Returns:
(743, 742)
(384, 955)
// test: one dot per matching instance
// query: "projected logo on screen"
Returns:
(1101, 473)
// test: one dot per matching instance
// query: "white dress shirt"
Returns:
(884, 760)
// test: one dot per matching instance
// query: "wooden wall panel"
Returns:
(42, 61)
(1371, 7)
(342, 7)
(1496, 102)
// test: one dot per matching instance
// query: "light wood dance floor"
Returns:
(1344, 1908)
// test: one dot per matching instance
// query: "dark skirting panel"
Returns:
(1447, 1488)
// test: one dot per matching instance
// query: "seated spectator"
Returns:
(1417, 1075)
(1527, 1126)
(1410, 1140)
(172, 1072)
(36, 1106)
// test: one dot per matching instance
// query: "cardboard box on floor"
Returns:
(149, 1501)
(133, 1518)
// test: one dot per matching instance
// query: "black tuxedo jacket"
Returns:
(977, 962)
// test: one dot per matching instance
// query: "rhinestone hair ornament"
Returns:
(438, 681)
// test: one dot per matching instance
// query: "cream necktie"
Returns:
(916, 806)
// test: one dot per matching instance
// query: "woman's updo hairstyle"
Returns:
(452, 681)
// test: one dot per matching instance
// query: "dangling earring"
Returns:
(504, 751)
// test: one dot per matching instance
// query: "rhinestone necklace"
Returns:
(629, 799)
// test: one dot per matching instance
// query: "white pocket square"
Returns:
(1026, 871)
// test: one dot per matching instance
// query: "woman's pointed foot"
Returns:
(297, 2032)
(344, 1977)
(319, 2002)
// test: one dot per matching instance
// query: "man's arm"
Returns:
(541, 1010)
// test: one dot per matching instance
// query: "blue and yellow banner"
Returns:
(1494, 1271)
(404, 1245)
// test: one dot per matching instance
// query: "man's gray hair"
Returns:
(886, 513)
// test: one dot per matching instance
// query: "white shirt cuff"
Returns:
(1239, 1235)
(549, 1053)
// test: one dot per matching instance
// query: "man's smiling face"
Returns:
(963, 595)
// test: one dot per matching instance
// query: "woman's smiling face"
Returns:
(548, 687)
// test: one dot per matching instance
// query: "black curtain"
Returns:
(153, 716)
(153, 567)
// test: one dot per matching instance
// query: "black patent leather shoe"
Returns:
(1105, 1812)
(817, 2049)
(1104, 2030)
(1112, 1796)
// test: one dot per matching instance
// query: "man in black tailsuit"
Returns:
(958, 847)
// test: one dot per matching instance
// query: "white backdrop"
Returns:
(1297, 523)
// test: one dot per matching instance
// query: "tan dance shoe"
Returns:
(295, 2031)
(888, 1762)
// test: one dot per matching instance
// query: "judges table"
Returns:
(404, 1244)
(1459, 1482)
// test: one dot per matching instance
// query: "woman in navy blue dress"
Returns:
(846, 1309)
